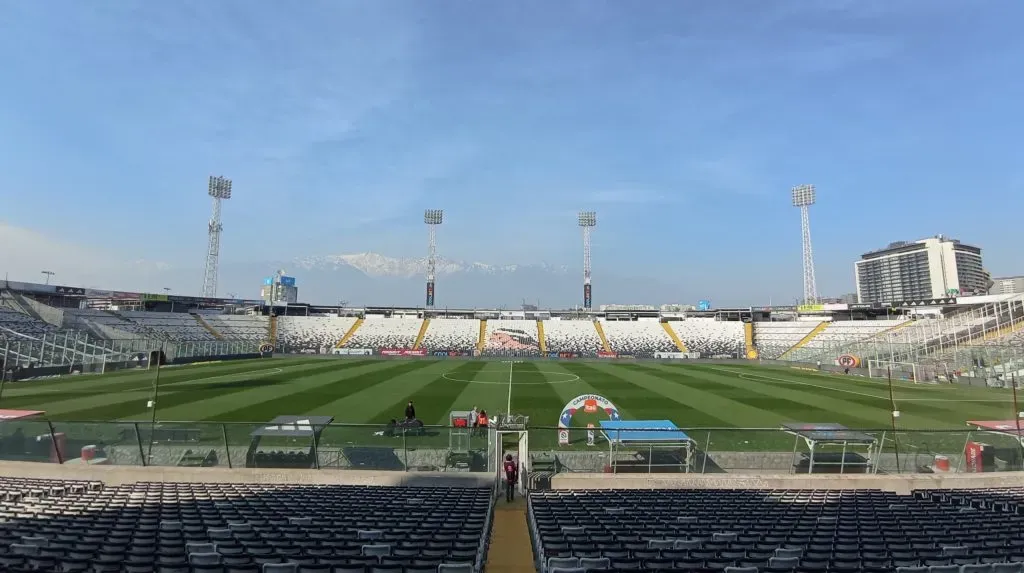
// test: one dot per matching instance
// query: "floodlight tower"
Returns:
(587, 220)
(220, 188)
(803, 197)
(433, 218)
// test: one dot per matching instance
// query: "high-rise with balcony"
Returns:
(916, 270)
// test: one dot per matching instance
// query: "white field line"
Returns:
(147, 384)
(747, 376)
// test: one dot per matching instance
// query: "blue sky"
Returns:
(683, 124)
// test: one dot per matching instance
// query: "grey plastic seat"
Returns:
(208, 558)
(595, 563)
(562, 563)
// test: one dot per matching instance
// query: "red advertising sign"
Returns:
(973, 457)
(403, 352)
(604, 354)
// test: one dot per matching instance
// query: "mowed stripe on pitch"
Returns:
(196, 396)
(330, 389)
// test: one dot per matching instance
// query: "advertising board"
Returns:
(403, 352)
(352, 351)
(603, 354)
(677, 355)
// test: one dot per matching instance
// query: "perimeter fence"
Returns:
(444, 448)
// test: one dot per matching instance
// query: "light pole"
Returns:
(48, 275)
(803, 198)
(219, 189)
(433, 218)
(587, 220)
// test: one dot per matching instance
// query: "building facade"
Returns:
(1007, 285)
(930, 268)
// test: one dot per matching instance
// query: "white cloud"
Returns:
(28, 252)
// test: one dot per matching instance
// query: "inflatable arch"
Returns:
(589, 403)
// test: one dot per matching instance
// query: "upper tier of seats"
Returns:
(640, 338)
(576, 336)
(841, 331)
(458, 334)
(710, 337)
(172, 325)
(319, 333)
(773, 339)
(239, 326)
(790, 530)
(15, 319)
(381, 332)
(513, 338)
(195, 527)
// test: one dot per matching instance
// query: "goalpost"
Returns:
(908, 371)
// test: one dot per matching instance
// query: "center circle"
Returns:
(566, 377)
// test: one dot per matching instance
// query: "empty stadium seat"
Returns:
(193, 527)
(386, 332)
(312, 333)
(780, 530)
(509, 337)
(641, 338)
(711, 337)
(240, 327)
(578, 337)
(452, 334)
(773, 339)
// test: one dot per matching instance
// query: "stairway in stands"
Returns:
(482, 339)
(351, 332)
(509, 550)
(807, 338)
(209, 327)
(541, 341)
(273, 330)
(422, 333)
(675, 337)
(600, 334)
(748, 340)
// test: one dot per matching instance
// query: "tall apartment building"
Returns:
(929, 268)
(1007, 285)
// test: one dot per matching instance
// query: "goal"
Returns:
(907, 371)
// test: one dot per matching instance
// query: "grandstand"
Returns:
(505, 337)
(576, 337)
(452, 335)
(640, 338)
(312, 333)
(386, 332)
(710, 337)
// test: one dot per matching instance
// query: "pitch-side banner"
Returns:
(604, 354)
(403, 352)
(677, 355)
(353, 351)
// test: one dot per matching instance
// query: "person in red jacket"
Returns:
(511, 477)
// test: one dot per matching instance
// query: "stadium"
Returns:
(153, 423)
(220, 407)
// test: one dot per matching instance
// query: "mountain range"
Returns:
(373, 279)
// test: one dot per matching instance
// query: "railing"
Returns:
(430, 448)
(76, 348)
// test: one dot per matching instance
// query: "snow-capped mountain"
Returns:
(377, 265)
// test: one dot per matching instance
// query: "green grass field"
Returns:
(372, 391)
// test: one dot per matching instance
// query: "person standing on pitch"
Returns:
(511, 477)
(410, 411)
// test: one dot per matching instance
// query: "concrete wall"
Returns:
(903, 484)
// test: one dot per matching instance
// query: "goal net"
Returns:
(95, 364)
(906, 371)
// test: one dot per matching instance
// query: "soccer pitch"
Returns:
(373, 391)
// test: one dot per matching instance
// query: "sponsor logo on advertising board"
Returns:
(604, 354)
(266, 348)
(677, 355)
(449, 353)
(352, 351)
(561, 355)
(848, 361)
(403, 352)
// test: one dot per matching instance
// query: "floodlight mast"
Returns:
(803, 198)
(587, 220)
(219, 189)
(433, 218)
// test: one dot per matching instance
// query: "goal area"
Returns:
(906, 371)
